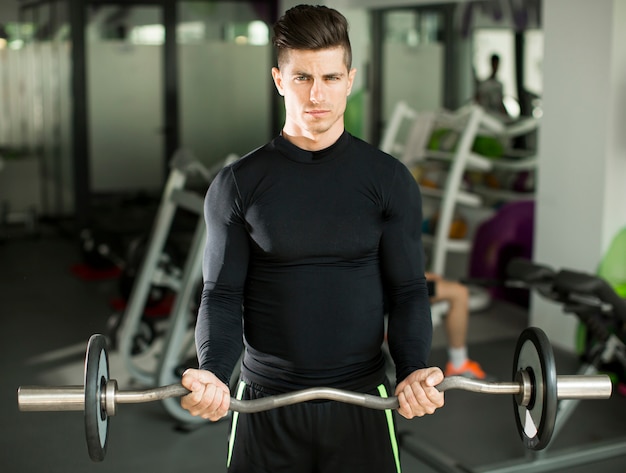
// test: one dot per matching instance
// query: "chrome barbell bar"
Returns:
(72, 398)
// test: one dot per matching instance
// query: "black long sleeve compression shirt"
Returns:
(302, 247)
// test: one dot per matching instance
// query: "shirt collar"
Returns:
(300, 155)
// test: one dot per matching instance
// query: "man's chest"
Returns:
(302, 219)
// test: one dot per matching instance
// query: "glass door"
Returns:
(413, 60)
(224, 79)
(124, 87)
(410, 61)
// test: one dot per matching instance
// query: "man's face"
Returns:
(315, 85)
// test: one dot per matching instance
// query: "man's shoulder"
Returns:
(255, 156)
(370, 150)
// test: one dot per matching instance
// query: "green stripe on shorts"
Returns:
(392, 432)
(233, 428)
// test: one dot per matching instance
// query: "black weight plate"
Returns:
(96, 379)
(535, 422)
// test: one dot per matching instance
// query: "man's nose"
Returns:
(317, 94)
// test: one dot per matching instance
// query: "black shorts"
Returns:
(313, 437)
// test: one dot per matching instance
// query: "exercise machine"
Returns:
(597, 305)
(184, 283)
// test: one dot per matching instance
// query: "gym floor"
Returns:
(48, 315)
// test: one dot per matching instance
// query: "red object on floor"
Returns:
(86, 273)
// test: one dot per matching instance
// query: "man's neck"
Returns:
(313, 142)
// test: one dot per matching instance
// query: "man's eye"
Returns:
(301, 78)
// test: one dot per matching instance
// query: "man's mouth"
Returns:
(317, 113)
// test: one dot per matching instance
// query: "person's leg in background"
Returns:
(456, 324)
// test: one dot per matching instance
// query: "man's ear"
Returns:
(351, 76)
(278, 80)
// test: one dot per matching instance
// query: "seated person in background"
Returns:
(455, 323)
(490, 94)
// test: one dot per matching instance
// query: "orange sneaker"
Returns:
(469, 369)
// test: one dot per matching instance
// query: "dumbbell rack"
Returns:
(409, 143)
(175, 344)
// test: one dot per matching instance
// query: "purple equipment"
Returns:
(506, 235)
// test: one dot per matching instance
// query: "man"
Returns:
(489, 93)
(305, 236)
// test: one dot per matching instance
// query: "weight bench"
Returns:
(568, 282)
(529, 273)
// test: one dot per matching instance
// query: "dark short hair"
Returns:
(311, 27)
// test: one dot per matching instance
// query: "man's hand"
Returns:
(209, 397)
(417, 393)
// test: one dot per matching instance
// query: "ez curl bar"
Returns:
(536, 389)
